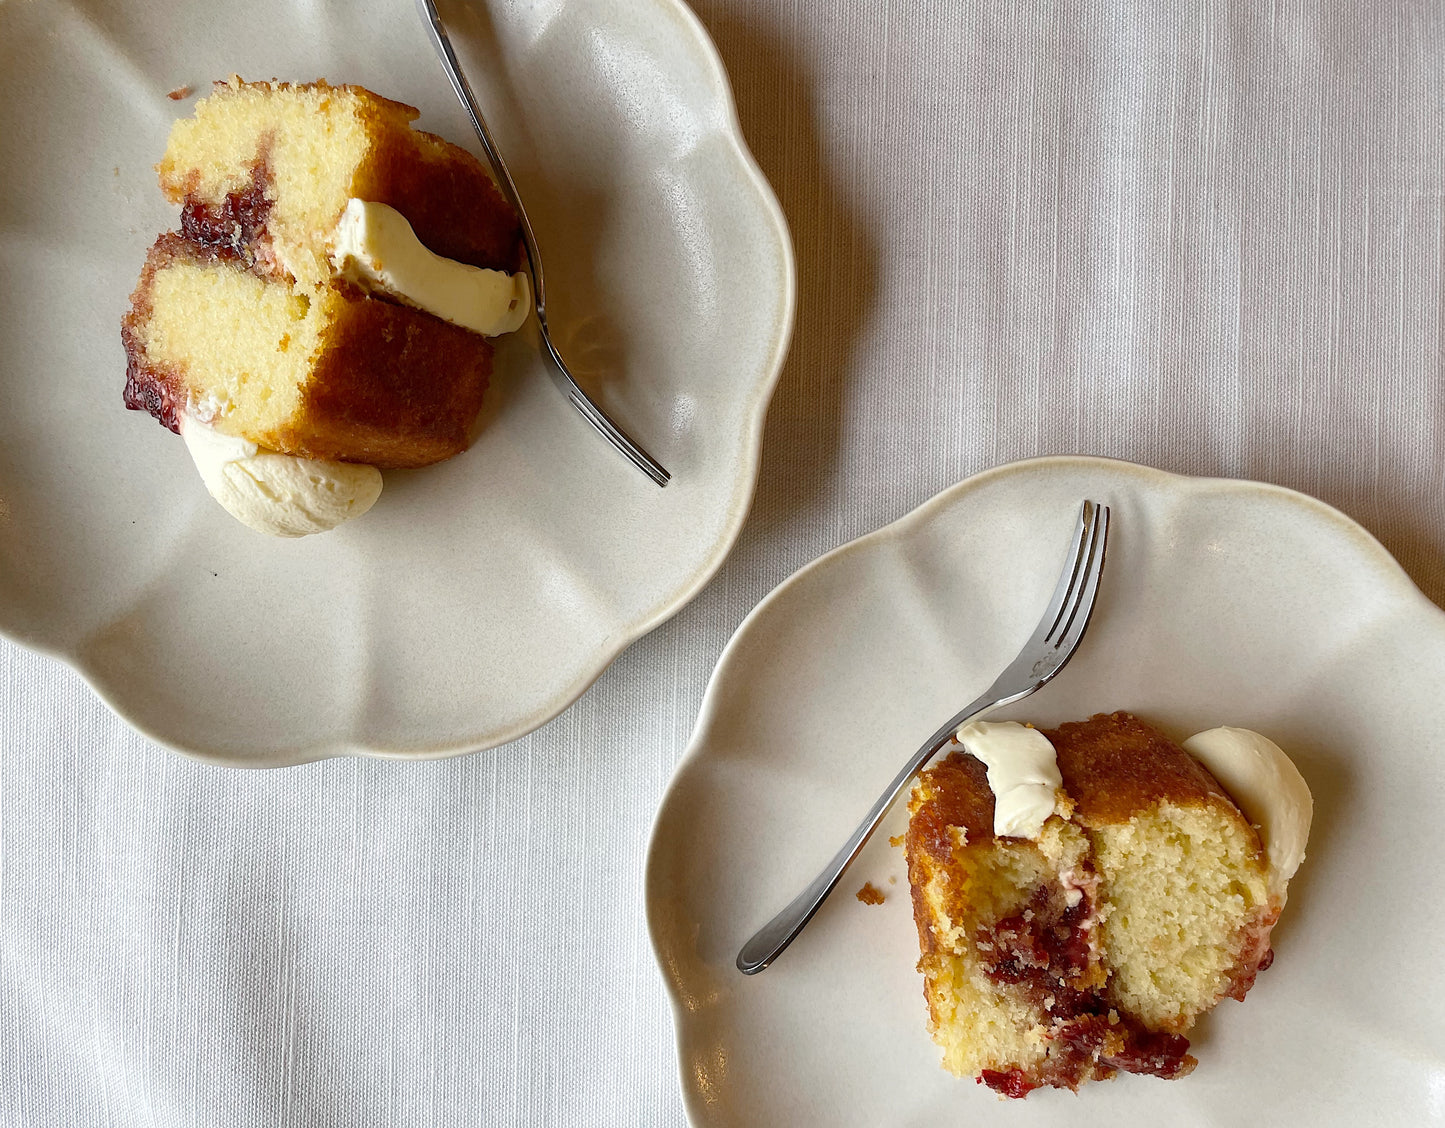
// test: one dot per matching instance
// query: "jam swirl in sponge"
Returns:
(240, 320)
(1145, 899)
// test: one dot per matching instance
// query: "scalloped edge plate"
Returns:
(1223, 602)
(482, 596)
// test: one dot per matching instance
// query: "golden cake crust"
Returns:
(262, 171)
(1114, 765)
(955, 793)
(394, 387)
(450, 200)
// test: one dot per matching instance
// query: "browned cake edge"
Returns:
(448, 198)
(1114, 765)
(394, 387)
(151, 387)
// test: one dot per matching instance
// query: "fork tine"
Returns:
(1069, 578)
(1087, 589)
(1062, 627)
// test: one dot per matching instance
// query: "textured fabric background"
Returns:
(1202, 236)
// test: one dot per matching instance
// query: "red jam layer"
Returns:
(1044, 952)
(1013, 1083)
(145, 390)
(239, 221)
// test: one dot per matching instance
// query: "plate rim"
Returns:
(1388, 570)
(754, 410)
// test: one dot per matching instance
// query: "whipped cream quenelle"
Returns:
(1267, 787)
(1023, 774)
(375, 248)
(278, 494)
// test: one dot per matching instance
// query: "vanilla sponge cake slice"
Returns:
(1006, 928)
(1091, 949)
(240, 321)
(1009, 929)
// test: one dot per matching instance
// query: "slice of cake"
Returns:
(1008, 931)
(272, 316)
(1084, 939)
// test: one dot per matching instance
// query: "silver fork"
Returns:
(594, 414)
(1050, 646)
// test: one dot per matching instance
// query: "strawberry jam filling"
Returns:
(1011, 1083)
(1043, 953)
(146, 389)
(238, 221)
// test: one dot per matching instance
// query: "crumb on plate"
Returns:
(869, 895)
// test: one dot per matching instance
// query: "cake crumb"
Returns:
(897, 839)
(869, 895)
(892, 879)
(180, 92)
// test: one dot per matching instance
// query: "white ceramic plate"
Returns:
(482, 596)
(1223, 602)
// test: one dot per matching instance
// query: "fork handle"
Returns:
(770, 940)
(594, 414)
(608, 427)
(437, 33)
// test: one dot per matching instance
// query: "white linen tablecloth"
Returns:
(1203, 236)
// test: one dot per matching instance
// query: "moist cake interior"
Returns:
(239, 320)
(1092, 950)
